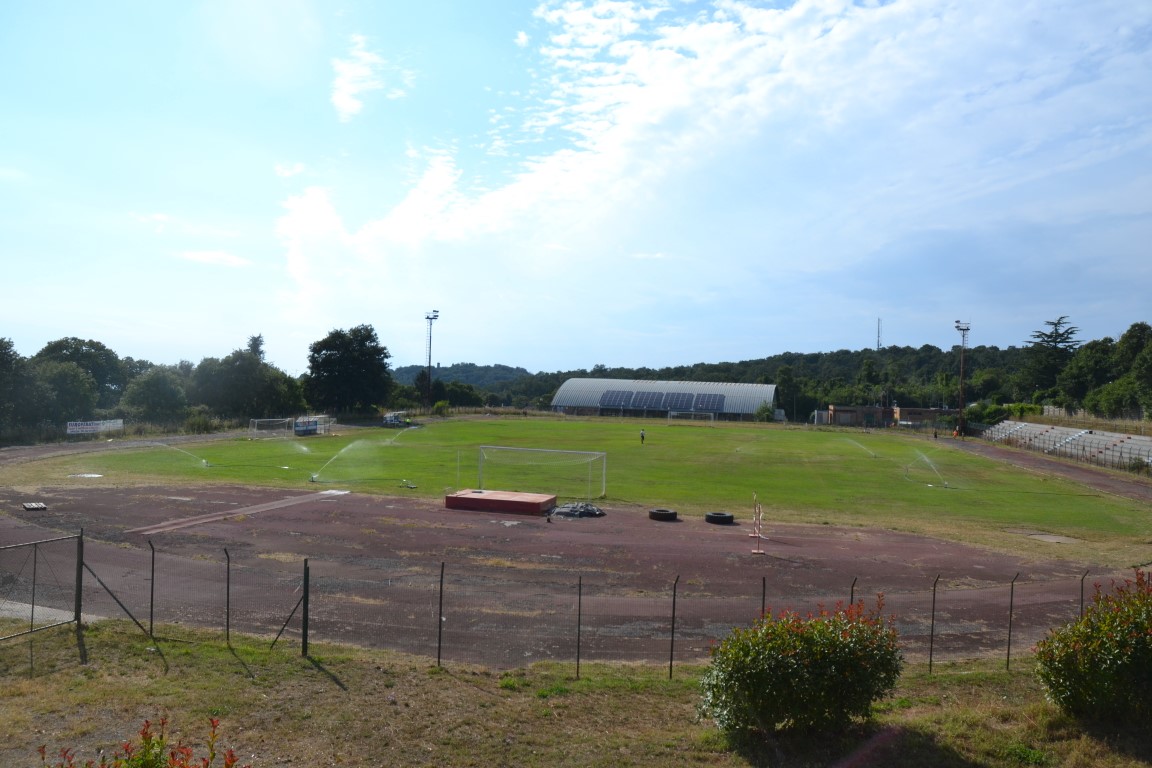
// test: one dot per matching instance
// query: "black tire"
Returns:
(663, 515)
(719, 518)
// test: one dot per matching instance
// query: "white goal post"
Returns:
(299, 426)
(566, 474)
(697, 418)
(263, 428)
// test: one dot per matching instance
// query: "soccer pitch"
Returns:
(888, 479)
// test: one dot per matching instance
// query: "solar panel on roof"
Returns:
(678, 401)
(709, 401)
(649, 400)
(616, 398)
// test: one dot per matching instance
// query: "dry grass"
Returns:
(353, 707)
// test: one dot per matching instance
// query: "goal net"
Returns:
(566, 474)
(262, 428)
(692, 418)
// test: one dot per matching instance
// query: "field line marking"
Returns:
(187, 522)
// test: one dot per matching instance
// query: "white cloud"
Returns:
(365, 71)
(521, 39)
(163, 223)
(801, 138)
(216, 258)
(159, 221)
(288, 170)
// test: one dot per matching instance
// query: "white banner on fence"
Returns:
(92, 427)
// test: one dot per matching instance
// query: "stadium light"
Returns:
(963, 328)
(430, 317)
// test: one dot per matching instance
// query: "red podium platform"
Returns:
(501, 501)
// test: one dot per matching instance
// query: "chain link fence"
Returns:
(503, 619)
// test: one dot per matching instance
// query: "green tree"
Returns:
(462, 395)
(71, 390)
(348, 371)
(1091, 367)
(787, 391)
(1047, 354)
(98, 361)
(1116, 399)
(243, 386)
(1132, 343)
(156, 396)
(11, 365)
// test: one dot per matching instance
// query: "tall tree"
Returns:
(1091, 367)
(1048, 352)
(242, 386)
(348, 371)
(73, 391)
(156, 396)
(1134, 341)
(95, 359)
(11, 379)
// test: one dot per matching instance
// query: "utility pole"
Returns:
(963, 328)
(431, 317)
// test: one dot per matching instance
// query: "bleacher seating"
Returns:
(1107, 449)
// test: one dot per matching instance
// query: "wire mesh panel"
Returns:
(625, 628)
(396, 610)
(261, 601)
(508, 623)
(37, 585)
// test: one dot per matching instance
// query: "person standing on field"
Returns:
(641, 437)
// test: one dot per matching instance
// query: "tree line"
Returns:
(349, 375)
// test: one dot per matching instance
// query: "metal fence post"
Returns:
(440, 618)
(932, 624)
(579, 619)
(1011, 605)
(763, 595)
(304, 616)
(227, 598)
(672, 634)
(152, 591)
(32, 606)
(78, 603)
(852, 593)
(1082, 591)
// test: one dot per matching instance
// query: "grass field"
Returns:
(354, 707)
(888, 479)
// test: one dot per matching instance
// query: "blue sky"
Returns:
(648, 183)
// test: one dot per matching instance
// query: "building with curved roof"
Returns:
(623, 397)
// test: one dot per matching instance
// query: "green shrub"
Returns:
(1100, 666)
(801, 673)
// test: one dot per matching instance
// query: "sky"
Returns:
(569, 183)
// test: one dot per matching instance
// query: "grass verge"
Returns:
(354, 707)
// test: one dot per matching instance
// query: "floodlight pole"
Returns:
(430, 317)
(963, 328)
